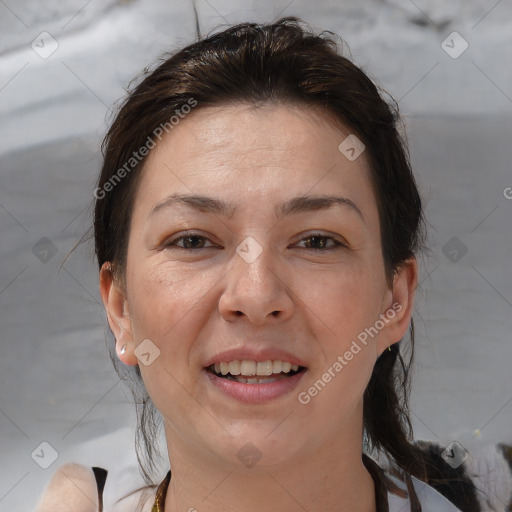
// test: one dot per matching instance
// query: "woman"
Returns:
(256, 227)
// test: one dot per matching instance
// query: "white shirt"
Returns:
(430, 499)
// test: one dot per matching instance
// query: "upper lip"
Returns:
(251, 354)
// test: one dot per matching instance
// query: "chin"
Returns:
(256, 450)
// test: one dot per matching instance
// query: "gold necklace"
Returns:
(159, 504)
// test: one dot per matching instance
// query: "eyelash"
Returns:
(338, 245)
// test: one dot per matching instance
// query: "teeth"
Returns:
(248, 368)
(264, 368)
(252, 368)
(253, 380)
(234, 367)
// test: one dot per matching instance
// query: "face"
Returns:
(253, 270)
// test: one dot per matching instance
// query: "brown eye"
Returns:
(320, 242)
(189, 242)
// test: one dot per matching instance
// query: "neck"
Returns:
(330, 477)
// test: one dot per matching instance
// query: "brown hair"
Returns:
(286, 62)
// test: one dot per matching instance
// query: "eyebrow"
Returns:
(219, 207)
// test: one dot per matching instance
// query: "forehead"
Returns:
(266, 151)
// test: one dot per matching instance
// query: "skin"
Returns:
(72, 487)
(193, 303)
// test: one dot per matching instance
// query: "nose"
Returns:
(256, 289)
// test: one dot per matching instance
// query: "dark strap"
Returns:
(101, 475)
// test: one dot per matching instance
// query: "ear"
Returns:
(114, 299)
(398, 305)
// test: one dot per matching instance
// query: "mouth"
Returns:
(255, 372)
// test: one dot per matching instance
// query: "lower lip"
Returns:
(256, 393)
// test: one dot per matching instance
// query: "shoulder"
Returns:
(72, 487)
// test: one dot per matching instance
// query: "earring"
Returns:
(123, 350)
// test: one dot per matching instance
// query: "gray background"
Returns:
(56, 381)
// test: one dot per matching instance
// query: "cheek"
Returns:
(163, 307)
(160, 297)
(346, 301)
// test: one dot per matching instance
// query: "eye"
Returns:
(320, 242)
(190, 241)
(315, 241)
